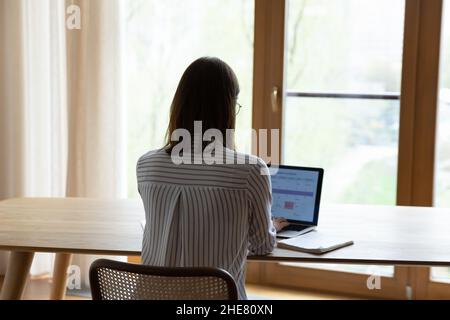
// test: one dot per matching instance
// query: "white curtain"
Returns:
(97, 147)
(61, 113)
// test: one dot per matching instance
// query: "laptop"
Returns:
(296, 197)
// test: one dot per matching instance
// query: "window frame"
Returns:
(417, 138)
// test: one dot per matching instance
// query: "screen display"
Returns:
(294, 194)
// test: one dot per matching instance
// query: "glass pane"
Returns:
(355, 141)
(442, 193)
(440, 274)
(161, 39)
(361, 142)
(351, 46)
(345, 45)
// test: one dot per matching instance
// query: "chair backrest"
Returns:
(114, 280)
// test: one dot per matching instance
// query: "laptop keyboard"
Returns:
(295, 227)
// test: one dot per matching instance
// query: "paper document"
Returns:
(314, 242)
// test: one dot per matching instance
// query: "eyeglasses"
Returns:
(239, 106)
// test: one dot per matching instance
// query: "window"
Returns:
(442, 193)
(344, 60)
(161, 39)
(442, 171)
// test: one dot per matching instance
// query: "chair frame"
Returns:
(158, 271)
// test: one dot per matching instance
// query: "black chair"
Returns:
(114, 280)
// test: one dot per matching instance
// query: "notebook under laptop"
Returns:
(296, 197)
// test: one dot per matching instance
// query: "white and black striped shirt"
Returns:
(205, 215)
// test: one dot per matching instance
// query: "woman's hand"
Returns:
(279, 223)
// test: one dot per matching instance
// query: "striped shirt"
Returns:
(200, 215)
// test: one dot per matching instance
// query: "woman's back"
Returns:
(205, 215)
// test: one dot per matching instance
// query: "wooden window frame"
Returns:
(420, 84)
(418, 121)
(417, 136)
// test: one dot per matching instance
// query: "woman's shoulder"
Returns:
(253, 162)
(157, 154)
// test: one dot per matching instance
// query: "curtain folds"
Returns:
(62, 124)
(96, 121)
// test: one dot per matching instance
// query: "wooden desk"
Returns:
(382, 235)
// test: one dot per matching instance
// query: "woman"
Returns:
(205, 214)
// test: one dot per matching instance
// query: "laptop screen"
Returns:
(296, 194)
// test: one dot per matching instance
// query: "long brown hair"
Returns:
(207, 92)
